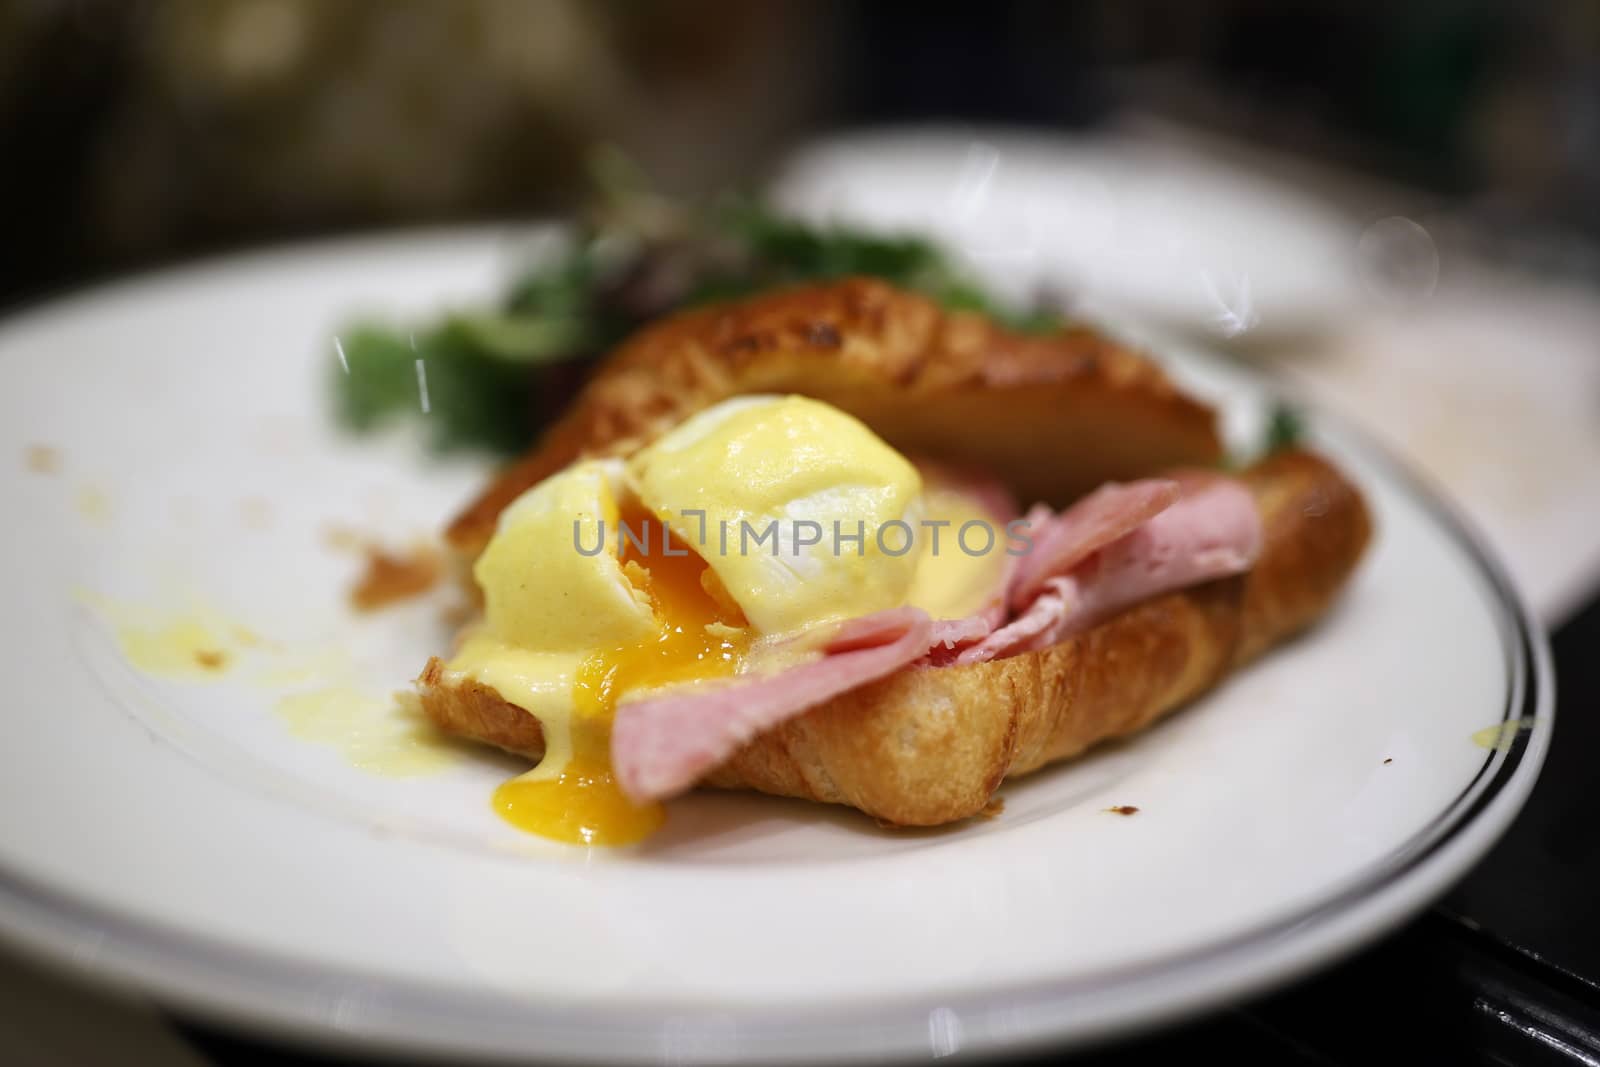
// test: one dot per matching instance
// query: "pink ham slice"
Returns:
(956, 633)
(660, 746)
(1108, 513)
(1212, 531)
(1035, 524)
(1034, 628)
(1055, 544)
(1120, 545)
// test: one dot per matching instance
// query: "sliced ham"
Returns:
(1212, 531)
(1034, 628)
(955, 633)
(1067, 539)
(1118, 546)
(660, 746)
(1036, 525)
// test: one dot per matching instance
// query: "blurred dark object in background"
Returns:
(1491, 103)
(138, 130)
(135, 131)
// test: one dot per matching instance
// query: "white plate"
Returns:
(173, 834)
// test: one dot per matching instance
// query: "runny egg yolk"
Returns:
(699, 635)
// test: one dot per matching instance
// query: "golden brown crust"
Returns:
(1051, 416)
(930, 745)
(471, 709)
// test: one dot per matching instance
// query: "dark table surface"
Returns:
(1504, 970)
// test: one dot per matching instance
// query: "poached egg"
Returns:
(716, 550)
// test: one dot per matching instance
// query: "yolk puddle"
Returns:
(700, 635)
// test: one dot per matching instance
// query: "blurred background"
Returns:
(139, 130)
(1396, 207)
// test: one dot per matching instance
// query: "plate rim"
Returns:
(338, 1008)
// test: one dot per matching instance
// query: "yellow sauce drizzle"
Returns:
(181, 649)
(195, 645)
(957, 575)
(384, 736)
(1500, 736)
(576, 799)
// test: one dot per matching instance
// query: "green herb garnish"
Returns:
(1285, 429)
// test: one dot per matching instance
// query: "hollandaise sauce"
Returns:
(572, 795)
(957, 574)
(570, 630)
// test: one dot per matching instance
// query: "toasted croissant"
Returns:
(1052, 416)
(930, 745)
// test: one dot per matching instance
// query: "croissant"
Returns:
(931, 745)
